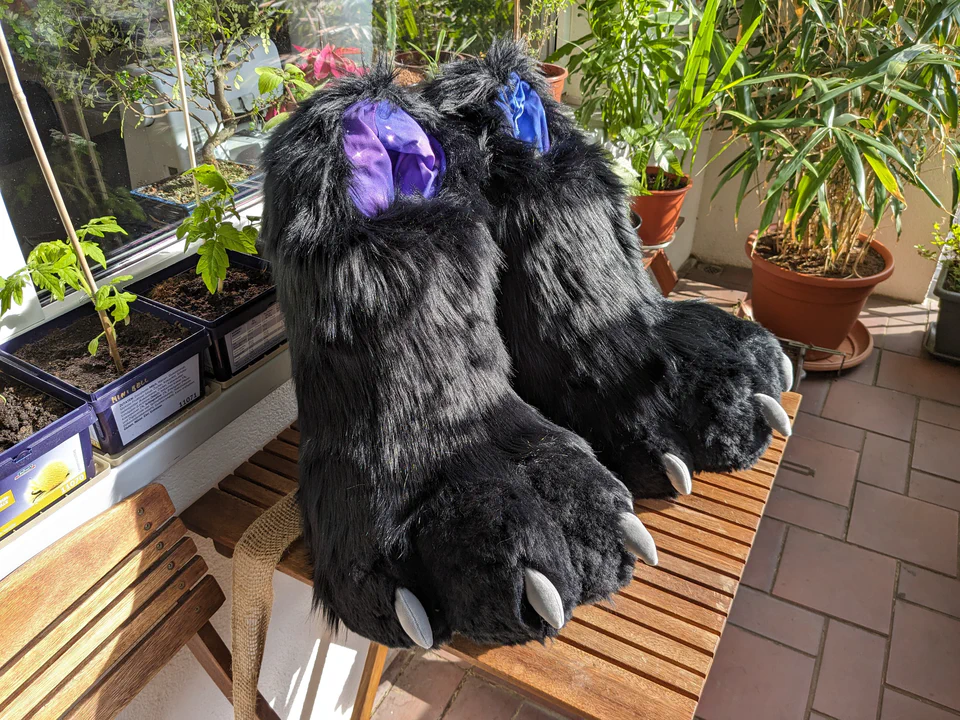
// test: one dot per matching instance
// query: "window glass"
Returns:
(101, 80)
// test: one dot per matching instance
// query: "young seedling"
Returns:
(212, 225)
(947, 247)
(55, 267)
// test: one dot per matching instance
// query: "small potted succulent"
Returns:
(666, 90)
(45, 449)
(222, 288)
(945, 331)
(843, 110)
(151, 367)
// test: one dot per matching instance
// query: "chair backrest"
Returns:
(86, 624)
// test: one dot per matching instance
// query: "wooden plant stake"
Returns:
(21, 100)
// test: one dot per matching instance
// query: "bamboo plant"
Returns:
(847, 102)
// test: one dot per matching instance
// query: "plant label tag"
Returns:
(255, 337)
(157, 400)
(40, 483)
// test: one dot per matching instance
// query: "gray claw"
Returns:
(638, 539)
(544, 598)
(413, 618)
(774, 414)
(678, 473)
(787, 365)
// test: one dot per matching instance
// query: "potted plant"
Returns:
(283, 89)
(536, 25)
(945, 332)
(45, 449)
(150, 370)
(845, 106)
(108, 55)
(222, 288)
(418, 64)
(655, 90)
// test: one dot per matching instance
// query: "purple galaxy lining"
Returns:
(390, 153)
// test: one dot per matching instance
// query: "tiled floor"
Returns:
(849, 607)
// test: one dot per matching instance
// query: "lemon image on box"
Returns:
(49, 478)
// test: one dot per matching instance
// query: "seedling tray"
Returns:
(43, 468)
(238, 338)
(137, 401)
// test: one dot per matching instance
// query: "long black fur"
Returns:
(419, 465)
(594, 345)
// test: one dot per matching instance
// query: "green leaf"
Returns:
(270, 80)
(883, 174)
(94, 344)
(275, 120)
(212, 265)
(93, 251)
(851, 158)
(209, 176)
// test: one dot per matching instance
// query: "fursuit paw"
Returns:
(507, 558)
(722, 395)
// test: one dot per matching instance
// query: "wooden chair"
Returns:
(86, 624)
(647, 655)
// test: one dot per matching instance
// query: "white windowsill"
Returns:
(145, 466)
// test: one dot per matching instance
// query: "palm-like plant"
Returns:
(653, 87)
(847, 101)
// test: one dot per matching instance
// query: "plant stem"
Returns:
(21, 100)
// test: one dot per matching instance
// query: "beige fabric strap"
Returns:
(254, 560)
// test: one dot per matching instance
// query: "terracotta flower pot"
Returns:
(660, 211)
(556, 76)
(807, 308)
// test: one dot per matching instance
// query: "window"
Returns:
(102, 83)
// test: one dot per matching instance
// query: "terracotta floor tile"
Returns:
(777, 620)
(394, 666)
(834, 470)
(761, 566)
(866, 372)
(834, 433)
(479, 700)
(851, 673)
(877, 325)
(529, 711)
(902, 707)
(938, 413)
(806, 511)
(937, 450)
(923, 655)
(905, 338)
(838, 579)
(936, 490)
(896, 310)
(905, 528)
(920, 376)
(929, 589)
(422, 691)
(814, 388)
(755, 678)
(885, 462)
(872, 408)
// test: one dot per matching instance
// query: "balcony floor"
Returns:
(849, 608)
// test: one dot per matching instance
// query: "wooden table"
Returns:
(644, 655)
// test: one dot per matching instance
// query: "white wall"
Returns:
(718, 240)
(307, 673)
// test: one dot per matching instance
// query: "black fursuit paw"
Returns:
(434, 500)
(658, 388)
